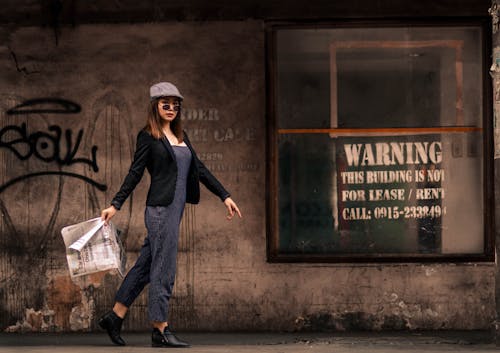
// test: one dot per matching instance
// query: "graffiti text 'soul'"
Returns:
(46, 146)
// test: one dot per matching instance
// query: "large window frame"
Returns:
(273, 251)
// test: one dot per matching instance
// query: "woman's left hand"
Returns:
(231, 208)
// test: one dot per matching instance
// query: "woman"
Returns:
(164, 149)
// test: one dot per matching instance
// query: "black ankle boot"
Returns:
(112, 323)
(166, 339)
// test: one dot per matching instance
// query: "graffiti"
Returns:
(11, 182)
(62, 106)
(21, 69)
(47, 146)
(48, 177)
(55, 8)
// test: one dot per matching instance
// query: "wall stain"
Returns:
(349, 321)
(62, 296)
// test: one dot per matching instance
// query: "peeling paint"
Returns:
(62, 296)
(82, 315)
(75, 300)
(430, 271)
(494, 12)
(35, 321)
(393, 297)
(94, 280)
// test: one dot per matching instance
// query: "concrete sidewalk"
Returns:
(437, 341)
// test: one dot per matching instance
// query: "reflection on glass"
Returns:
(306, 195)
(384, 194)
(374, 179)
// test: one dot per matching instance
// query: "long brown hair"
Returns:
(154, 122)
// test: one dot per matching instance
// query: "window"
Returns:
(379, 142)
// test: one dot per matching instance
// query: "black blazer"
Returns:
(159, 158)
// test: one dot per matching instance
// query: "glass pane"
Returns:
(307, 196)
(399, 178)
(385, 194)
(400, 86)
(378, 77)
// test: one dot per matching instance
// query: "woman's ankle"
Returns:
(160, 325)
(120, 310)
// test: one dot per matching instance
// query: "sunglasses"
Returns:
(174, 106)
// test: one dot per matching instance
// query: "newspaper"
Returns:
(93, 246)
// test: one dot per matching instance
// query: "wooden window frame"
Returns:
(272, 226)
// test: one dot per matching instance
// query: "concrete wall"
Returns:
(224, 281)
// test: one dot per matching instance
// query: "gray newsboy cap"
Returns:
(164, 89)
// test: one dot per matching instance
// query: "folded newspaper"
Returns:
(93, 246)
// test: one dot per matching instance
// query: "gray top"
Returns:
(183, 157)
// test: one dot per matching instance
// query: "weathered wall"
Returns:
(224, 281)
(57, 12)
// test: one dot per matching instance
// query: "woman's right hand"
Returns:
(108, 213)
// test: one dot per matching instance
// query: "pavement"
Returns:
(363, 342)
